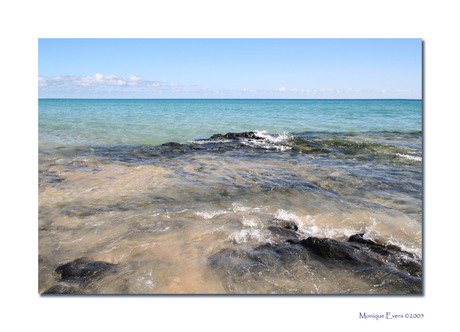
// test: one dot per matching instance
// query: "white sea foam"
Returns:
(309, 226)
(249, 222)
(245, 235)
(269, 141)
(272, 138)
(405, 247)
(237, 207)
(205, 141)
(266, 145)
(288, 216)
(210, 214)
(409, 157)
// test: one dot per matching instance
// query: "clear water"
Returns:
(111, 190)
(153, 122)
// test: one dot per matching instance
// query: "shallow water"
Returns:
(171, 215)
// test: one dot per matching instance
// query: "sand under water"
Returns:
(227, 214)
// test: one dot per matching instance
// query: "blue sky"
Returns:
(230, 68)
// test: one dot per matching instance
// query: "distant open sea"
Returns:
(230, 196)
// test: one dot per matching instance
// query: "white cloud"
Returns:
(99, 79)
(134, 78)
(41, 81)
(202, 90)
(351, 90)
(99, 82)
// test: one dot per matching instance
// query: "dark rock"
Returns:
(217, 136)
(290, 254)
(381, 249)
(76, 276)
(84, 270)
(283, 234)
(287, 224)
(379, 265)
(172, 144)
(236, 136)
(240, 263)
(342, 252)
(360, 239)
(393, 255)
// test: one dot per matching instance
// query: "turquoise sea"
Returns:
(230, 196)
(152, 122)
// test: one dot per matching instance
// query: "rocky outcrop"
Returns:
(236, 136)
(393, 255)
(84, 270)
(386, 266)
(76, 275)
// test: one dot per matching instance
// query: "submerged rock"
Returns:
(84, 269)
(283, 233)
(172, 144)
(340, 252)
(76, 275)
(393, 255)
(384, 268)
(240, 264)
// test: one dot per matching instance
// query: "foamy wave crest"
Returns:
(306, 225)
(270, 141)
(330, 233)
(266, 145)
(206, 141)
(288, 216)
(273, 138)
(245, 235)
(409, 157)
(238, 207)
(210, 214)
(250, 222)
(310, 226)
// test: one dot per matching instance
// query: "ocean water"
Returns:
(148, 185)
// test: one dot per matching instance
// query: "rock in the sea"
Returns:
(242, 264)
(286, 224)
(76, 275)
(236, 136)
(172, 144)
(84, 269)
(340, 252)
(393, 255)
(385, 268)
(282, 234)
